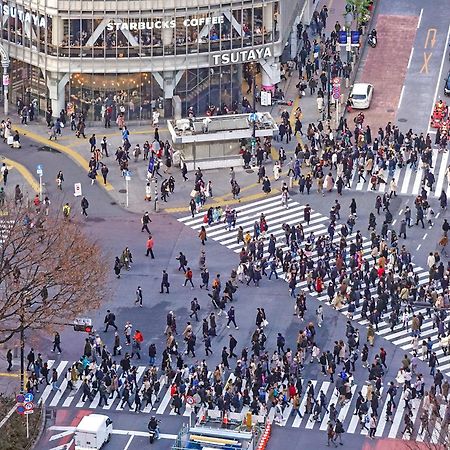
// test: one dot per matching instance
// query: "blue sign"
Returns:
(342, 37)
(355, 37)
(29, 397)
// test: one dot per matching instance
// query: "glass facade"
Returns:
(133, 59)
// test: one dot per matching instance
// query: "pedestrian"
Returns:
(102, 391)
(55, 375)
(127, 332)
(9, 359)
(84, 206)
(110, 320)
(139, 296)
(232, 318)
(165, 282)
(182, 261)
(339, 431)
(202, 235)
(232, 346)
(30, 358)
(319, 315)
(57, 343)
(372, 426)
(195, 308)
(330, 434)
(145, 221)
(188, 277)
(150, 244)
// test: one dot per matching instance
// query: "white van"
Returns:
(93, 432)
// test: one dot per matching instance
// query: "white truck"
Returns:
(93, 432)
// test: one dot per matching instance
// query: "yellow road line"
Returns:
(8, 374)
(108, 135)
(24, 172)
(72, 154)
(248, 198)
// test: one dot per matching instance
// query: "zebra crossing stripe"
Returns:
(415, 404)
(406, 180)
(162, 383)
(441, 176)
(325, 386)
(298, 419)
(344, 410)
(398, 335)
(397, 417)
(165, 401)
(355, 418)
(436, 433)
(59, 393)
(69, 399)
(48, 389)
(364, 431)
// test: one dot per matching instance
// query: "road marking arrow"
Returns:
(431, 32)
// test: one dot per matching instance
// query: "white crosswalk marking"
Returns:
(271, 209)
(298, 419)
(325, 386)
(397, 420)
(441, 179)
(49, 388)
(345, 413)
(354, 422)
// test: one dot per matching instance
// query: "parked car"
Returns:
(361, 95)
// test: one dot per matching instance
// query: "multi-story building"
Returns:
(133, 55)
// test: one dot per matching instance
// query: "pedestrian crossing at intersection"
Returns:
(66, 398)
(408, 180)
(276, 215)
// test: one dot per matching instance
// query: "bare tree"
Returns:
(50, 271)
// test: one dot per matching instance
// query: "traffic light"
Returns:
(83, 324)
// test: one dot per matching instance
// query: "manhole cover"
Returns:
(390, 110)
(46, 148)
(402, 120)
(249, 170)
(113, 203)
(96, 219)
(123, 191)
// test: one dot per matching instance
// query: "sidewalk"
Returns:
(78, 149)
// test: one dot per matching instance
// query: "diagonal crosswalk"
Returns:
(276, 215)
(345, 412)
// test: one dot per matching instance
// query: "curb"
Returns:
(41, 428)
(362, 53)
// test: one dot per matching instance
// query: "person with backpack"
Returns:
(182, 261)
(188, 278)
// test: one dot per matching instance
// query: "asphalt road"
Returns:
(428, 63)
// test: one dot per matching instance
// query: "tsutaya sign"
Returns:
(241, 56)
(24, 16)
(164, 23)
